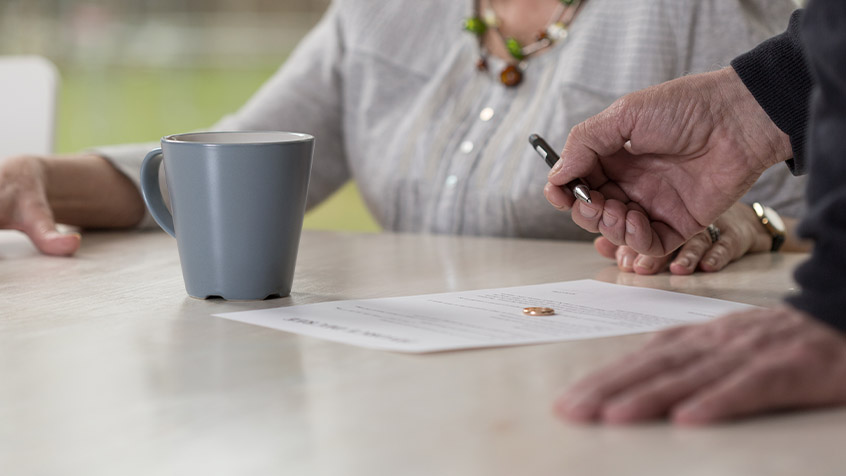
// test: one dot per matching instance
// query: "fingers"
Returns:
(589, 215)
(723, 251)
(807, 375)
(657, 396)
(37, 222)
(698, 252)
(644, 264)
(743, 392)
(622, 223)
(609, 217)
(612, 223)
(745, 363)
(558, 198)
(690, 255)
(586, 400)
(649, 238)
(606, 248)
(624, 255)
(626, 258)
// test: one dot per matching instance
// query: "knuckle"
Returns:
(698, 244)
(801, 351)
(720, 251)
(727, 241)
(667, 336)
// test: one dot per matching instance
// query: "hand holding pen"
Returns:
(578, 186)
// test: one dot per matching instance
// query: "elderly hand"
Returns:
(665, 162)
(84, 190)
(740, 233)
(24, 205)
(742, 364)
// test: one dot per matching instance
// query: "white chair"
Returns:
(28, 91)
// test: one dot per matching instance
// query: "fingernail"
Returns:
(643, 262)
(683, 262)
(627, 262)
(58, 234)
(630, 227)
(556, 167)
(608, 219)
(711, 261)
(587, 211)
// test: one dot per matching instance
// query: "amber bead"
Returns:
(511, 76)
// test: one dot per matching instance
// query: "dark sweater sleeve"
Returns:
(823, 277)
(778, 77)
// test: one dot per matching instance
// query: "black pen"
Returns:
(578, 186)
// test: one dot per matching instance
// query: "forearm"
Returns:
(87, 191)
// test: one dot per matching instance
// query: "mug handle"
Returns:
(152, 191)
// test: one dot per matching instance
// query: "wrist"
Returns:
(87, 191)
(761, 143)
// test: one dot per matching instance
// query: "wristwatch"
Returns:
(772, 223)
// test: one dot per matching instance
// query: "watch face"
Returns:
(774, 218)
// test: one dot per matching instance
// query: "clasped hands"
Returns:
(663, 164)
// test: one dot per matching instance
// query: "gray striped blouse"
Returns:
(391, 92)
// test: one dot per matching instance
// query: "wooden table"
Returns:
(107, 367)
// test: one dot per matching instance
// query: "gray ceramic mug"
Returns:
(238, 200)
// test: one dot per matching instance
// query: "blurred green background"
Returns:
(135, 71)
(140, 105)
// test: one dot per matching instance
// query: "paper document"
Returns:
(491, 317)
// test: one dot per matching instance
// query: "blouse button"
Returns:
(467, 147)
(486, 114)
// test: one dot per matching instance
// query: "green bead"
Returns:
(475, 25)
(514, 48)
(567, 2)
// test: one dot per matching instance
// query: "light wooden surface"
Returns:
(107, 367)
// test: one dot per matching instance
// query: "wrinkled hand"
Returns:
(665, 162)
(740, 233)
(24, 206)
(746, 363)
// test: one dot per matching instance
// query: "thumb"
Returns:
(599, 136)
(39, 226)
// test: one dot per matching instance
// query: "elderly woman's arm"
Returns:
(304, 95)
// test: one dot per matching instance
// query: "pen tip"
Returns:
(582, 193)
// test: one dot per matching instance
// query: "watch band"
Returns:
(778, 241)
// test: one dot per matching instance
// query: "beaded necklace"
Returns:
(554, 31)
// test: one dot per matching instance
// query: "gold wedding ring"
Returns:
(538, 311)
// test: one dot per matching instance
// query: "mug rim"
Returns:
(271, 137)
